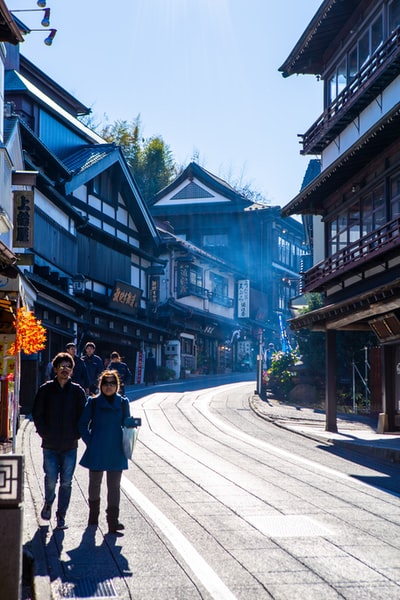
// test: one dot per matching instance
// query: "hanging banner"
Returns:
(243, 298)
(139, 368)
(23, 220)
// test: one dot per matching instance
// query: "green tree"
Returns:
(150, 160)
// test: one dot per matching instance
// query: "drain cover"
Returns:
(87, 589)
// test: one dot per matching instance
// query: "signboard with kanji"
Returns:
(243, 298)
(23, 220)
(126, 297)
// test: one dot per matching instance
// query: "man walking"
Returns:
(79, 374)
(94, 366)
(123, 370)
(57, 408)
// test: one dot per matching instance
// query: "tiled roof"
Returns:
(87, 156)
(313, 170)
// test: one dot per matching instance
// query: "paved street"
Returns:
(221, 503)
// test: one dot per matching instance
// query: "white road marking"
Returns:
(202, 405)
(189, 554)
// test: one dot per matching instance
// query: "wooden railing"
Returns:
(371, 78)
(354, 257)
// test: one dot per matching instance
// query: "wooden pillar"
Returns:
(389, 386)
(330, 386)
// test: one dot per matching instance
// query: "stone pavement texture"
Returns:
(92, 558)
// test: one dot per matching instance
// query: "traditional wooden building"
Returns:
(253, 238)
(353, 47)
(85, 239)
(196, 298)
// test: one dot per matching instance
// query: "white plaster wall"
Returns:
(367, 119)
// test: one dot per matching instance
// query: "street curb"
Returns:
(40, 583)
(374, 450)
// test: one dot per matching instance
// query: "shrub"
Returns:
(165, 374)
(280, 374)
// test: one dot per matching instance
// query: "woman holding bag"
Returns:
(101, 429)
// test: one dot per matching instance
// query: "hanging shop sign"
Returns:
(23, 219)
(243, 298)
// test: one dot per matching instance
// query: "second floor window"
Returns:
(394, 15)
(363, 217)
(189, 280)
(357, 56)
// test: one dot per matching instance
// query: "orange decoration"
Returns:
(30, 335)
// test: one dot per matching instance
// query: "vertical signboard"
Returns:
(139, 368)
(23, 220)
(243, 298)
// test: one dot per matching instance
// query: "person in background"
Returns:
(101, 429)
(56, 411)
(270, 353)
(79, 374)
(49, 372)
(150, 369)
(122, 369)
(94, 366)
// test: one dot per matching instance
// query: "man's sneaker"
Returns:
(46, 512)
(61, 523)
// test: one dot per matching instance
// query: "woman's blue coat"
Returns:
(101, 430)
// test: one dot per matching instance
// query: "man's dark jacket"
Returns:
(56, 413)
(94, 368)
(80, 374)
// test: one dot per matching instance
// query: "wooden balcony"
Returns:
(372, 249)
(382, 68)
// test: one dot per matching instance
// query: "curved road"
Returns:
(242, 509)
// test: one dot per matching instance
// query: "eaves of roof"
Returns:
(9, 31)
(311, 199)
(18, 83)
(86, 162)
(10, 123)
(192, 171)
(173, 240)
(91, 160)
(367, 305)
(31, 140)
(186, 309)
(307, 57)
(54, 90)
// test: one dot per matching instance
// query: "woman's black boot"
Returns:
(94, 511)
(114, 526)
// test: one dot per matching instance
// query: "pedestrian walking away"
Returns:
(150, 369)
(122, 369)
(79, 374)
(94, 366)
(56, 411)
(101, 429)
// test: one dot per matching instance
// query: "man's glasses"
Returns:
(65, 367)
(108, 382)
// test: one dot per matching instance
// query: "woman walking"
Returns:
(101, 429)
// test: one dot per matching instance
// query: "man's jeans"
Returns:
(55, 464)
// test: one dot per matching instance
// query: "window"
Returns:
(190, 281)
(394, 15)
(215, 240)
(346, 71)
(395, 196)
(219, 290)
(361, 218)
(101, 186)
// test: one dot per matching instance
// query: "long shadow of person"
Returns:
(90, 568)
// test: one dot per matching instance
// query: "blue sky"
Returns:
(203, 74)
